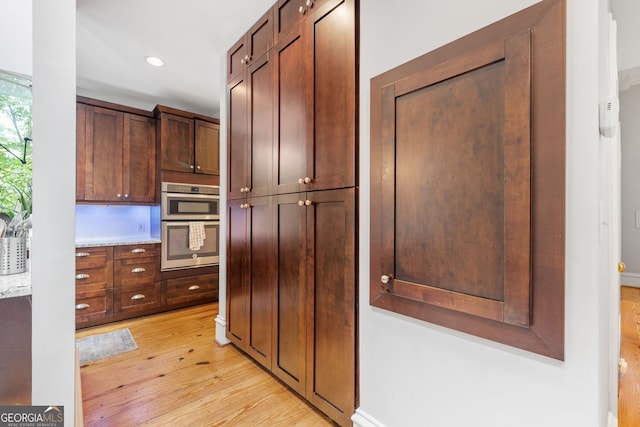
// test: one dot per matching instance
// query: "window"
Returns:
(15, 145)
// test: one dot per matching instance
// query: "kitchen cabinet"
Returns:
(250, 139)
(315, 142)
(116, 153)
(188, 142)
(251, 47)
(251, 277)
(136, 278)
(291, 253)
(94, 284)
(315, 349)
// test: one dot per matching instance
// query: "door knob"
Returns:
(385, 279)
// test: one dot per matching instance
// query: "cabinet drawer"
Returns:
(93, 257)
(93, 279)
(93, 305)
(185, 289)
(136, 271)
(135, 251)
(136, 298)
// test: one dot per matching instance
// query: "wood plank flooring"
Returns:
(629, 384)
(179, 376)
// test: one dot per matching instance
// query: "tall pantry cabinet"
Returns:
(291, 259)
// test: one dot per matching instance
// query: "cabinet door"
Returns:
(331, 302)
(290, 332)
(176, 143)
(81, 150)
(237, 143)
(103, 154)
(207, 146)
(237, 271)
(288, 15)
(261, 279)
(236, 59)
(260, 103)
(139, 163)
(292, 120)
(331, 140)
(260, 37)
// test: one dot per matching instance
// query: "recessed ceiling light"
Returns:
(157, 62)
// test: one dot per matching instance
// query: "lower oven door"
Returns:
(175, 245)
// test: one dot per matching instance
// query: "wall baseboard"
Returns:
(613, 420)
(630, 279)
(221, 327)
(362, 419)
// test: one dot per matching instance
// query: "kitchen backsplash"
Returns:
(111, 223)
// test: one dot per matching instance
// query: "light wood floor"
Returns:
(179, 376)
(629, 390)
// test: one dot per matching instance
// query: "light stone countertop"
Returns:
(15, 285)
(115, 242)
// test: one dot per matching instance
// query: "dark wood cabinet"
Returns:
(291, 252)
(115, 155)
(94, 284)
(136, 278)
(250, 277)
(467, 183)
(251, 47)
(188, 142)
(251, 130)
(316, 107)
(316, 298)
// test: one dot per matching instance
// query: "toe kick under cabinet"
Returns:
(121, 282)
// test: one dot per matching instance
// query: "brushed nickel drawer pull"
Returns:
(194, 287)
(138, 270)
(82, 306)
(82, 276)
(138, 251)
(137, 296)
(82, 254)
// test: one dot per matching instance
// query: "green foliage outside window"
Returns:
(15, 126)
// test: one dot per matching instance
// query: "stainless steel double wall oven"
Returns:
(187, 209)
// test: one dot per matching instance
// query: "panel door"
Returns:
(290, 331)
(237, 273)
(176, 143)
(331, 134)
(103, 154)
(237, 141)
(331, 302)
(292, 118)
(260, 106)
(261, 279)
(207, 147)
(139, 159)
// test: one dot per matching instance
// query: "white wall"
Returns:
(413, 373)
(630, 134)
(15, 36)
(53, 247)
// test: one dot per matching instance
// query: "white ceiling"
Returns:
(191, 36)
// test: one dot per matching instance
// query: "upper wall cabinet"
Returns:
(187, 142)
(251, 47)
(467, 183)
(315, 132)
(250, 98)
(116, 152)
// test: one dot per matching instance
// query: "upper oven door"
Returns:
(180, 206)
